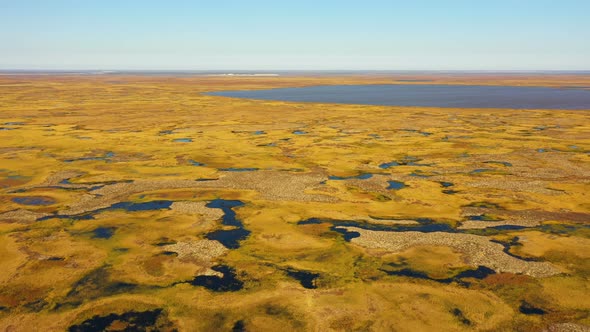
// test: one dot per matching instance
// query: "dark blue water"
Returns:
(528, 309)
(305, 278)
(106, 157)
(228, 283)
(428, 95)
(481, 170)
(103, 232)
(362, 176)
(132, 320)
(239, 169)
(389, 164)
(504, 163)
(396, 185)
(128, 206)
(481, 272)
(406, 161)
(34, 200)
(183, 140)
(143, 206)
(230, 238)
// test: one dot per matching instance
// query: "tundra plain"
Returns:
(140, 202)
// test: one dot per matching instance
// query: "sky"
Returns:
(295, 35)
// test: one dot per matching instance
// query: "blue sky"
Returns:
(302, 34)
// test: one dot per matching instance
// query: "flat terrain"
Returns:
(139, 202)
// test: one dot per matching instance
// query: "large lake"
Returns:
(429, 95)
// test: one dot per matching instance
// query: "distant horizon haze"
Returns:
(264, 35)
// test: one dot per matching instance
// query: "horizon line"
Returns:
(278, 70)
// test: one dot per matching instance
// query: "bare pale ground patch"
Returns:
(567, 327)
(270, 185)
(21, 216)
(196, 208)
(472, 224)
(477, 250)
(205, 250)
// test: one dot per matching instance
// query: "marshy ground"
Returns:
(139, 202)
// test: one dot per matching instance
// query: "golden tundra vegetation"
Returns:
(141, 203)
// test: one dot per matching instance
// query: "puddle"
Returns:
(227, 283)
(481, 272)
(195, 163)
(34, 200)
(164, 242)
(450, 192)
(484, 217)
(484, 204)
(103, 232)
(230, 238)
(311, 221)
(234, 169)
(268, 144)
(362, 176)
(528, 309)
(299, 132)
(389, 164)
(306, 278)
(106, 157)
(423, 133)
(143, 206)
(396, 185)
(346, 234)
(182, 140)
(426, 225)
(481, 170)
(239, 326)
(514, 243)
(128, 206)
(446, 184)
(460, 316)
(406, 161)
(259, 132)
(504, 163)
(128, 321)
